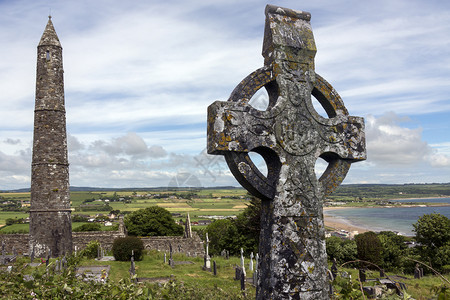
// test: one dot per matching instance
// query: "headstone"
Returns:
(132, 267)
(32, 255)
(14, 251)
(362, 275)
(243, 281)
(214, 268)
(171, 263)
(417, 272)
(187, 228)
(76, 250)
(64, 262)
(257, 261)
(250, 265)
(290, 135)
(165, 258)
(242, 262)
(227, 257)
(237, 273)
(334, 269)
(207, 259)
(9, 269)
(223, 253)
(57, 266)
(255, 277)
(382, 273)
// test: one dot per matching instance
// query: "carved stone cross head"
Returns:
(290, 131)
(290, 135)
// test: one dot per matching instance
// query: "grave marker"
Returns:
(290, 135)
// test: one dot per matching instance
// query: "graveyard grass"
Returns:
(200, 284)
(186, 280)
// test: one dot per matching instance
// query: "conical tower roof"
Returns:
(49, 37)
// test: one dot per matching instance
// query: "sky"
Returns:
(139, 76)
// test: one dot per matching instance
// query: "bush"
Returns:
(122, 248)
(91, 250)
(88, 227)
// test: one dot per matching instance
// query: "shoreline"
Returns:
(342, 224)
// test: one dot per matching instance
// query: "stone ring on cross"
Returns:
(240, 163)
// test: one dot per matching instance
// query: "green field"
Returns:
(218, 202)
(199, 204)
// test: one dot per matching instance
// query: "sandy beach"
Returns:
(341, 224)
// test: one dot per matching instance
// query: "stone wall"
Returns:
(105, 238)
(190, 246)
(18, 241)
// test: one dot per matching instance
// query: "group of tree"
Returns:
(386, 249)
(234, 234)
(391, 252)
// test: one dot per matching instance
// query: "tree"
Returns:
(433, 234)
(432, 230)
(340, 249)
(152, 221)
(392, 251)
(242, 232)
(88, 227)
(369, 247)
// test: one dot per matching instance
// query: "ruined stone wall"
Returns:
(18, 241)
(105, 238)
(190, 246)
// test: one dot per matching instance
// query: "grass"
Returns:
(419, 289)
(192, 274)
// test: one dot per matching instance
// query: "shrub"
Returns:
(122, 248)
(88, 227)
(91, 249)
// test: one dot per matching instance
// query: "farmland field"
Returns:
(199, 204)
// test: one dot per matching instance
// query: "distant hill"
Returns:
(100, 189)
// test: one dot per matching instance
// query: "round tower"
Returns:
(50, 214)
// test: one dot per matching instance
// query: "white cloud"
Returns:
(389, 143)
(139, 77)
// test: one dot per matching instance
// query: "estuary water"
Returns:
(398, 219)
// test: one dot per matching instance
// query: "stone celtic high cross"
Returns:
(290, 135)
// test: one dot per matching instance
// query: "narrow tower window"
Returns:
(48, 55)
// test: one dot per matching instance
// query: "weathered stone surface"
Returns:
(50, 221)
(290, 135)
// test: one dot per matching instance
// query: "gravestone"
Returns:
(242, 261)
(417, 273)
(214, 268)
(250, 265)
(32, 255)
(290, 135)
(362, 275)
(334, 269)
(207, 265)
